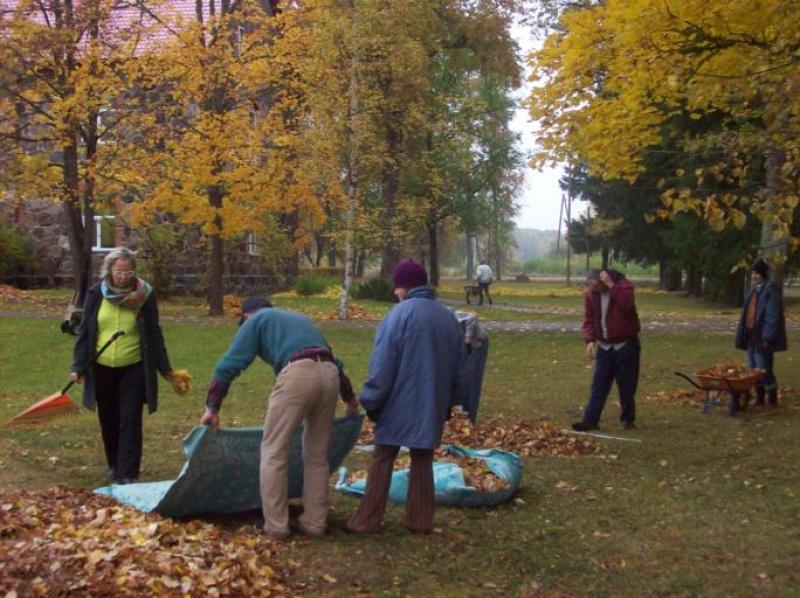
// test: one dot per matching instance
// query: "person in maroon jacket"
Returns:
(611, 331)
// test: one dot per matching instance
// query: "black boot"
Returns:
(772, 395)
(760, 392)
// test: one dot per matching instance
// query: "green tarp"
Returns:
(221, 472)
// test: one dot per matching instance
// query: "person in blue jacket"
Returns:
(762, 329)
(415, 376)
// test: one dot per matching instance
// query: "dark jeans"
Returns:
(120, 395)
(764, 361)
(623, 366)
(484, 287)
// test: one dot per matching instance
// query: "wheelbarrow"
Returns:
(716, 387)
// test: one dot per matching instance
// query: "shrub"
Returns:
(159, 249)
(307, 285)
(375, 288)
(337, 273)
(16, 255)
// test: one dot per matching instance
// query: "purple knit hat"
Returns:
(409, 274)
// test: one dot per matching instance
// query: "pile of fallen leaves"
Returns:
(9, 293)
(525, 437)
(691, 397)
(354, 312)
(477, 474)
(231, 305)
(63, 541)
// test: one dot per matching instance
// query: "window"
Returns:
(104, 233)
(239, 40)
(104, 123)
(252, 244)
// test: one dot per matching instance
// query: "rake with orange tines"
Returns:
(58, 404)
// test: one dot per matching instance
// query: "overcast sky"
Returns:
(540, 199)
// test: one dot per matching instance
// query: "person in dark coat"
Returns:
(762, 329)
(121, 380)
(611, 332)
(415, 377)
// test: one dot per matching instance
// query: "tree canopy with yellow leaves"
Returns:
(65, 64)
(619, 77)
(221, 149)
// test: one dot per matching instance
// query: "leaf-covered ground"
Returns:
(68, 542)
(688, 504)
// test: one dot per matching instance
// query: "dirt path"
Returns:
(723, 324)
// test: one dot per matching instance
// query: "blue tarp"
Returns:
(448, 479)
(221, 472)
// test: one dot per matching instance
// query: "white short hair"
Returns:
(120, 253)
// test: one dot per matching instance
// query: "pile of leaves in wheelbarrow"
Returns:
(525, 437)
(732, 370)
(63, 541)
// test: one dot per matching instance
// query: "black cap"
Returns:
(252, 305)
(762, 267)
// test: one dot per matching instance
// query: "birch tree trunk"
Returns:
(352, 190)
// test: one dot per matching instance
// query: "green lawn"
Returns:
(705, 504)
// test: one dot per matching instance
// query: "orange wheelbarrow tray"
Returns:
(715, 386)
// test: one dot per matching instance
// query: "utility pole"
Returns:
(560, 220)
(588, 246)
(569, 223)
(566, 234)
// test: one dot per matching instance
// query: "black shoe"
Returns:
(760, 394)
(629, 425)
(584, 427)
(772, 397)
(123, 481)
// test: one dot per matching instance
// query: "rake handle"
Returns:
(107, 344)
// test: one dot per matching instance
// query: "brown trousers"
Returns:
(420, 500)
(305, 391)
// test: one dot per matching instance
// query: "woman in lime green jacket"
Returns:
(123, 378)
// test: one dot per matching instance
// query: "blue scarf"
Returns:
(129, 298)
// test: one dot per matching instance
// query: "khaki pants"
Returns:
(305, 391)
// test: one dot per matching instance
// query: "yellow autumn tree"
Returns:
(217, 149)
(66, 68)
(611, 81)
(362, 66)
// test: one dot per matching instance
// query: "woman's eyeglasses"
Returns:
(123, 273)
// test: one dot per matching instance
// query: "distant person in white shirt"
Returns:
(484, 276)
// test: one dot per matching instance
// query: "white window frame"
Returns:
(98, 233)
(251, 244)
(101, 113)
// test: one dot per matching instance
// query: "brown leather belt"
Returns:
(314, 353)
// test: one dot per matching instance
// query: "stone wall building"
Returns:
(46, 226)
